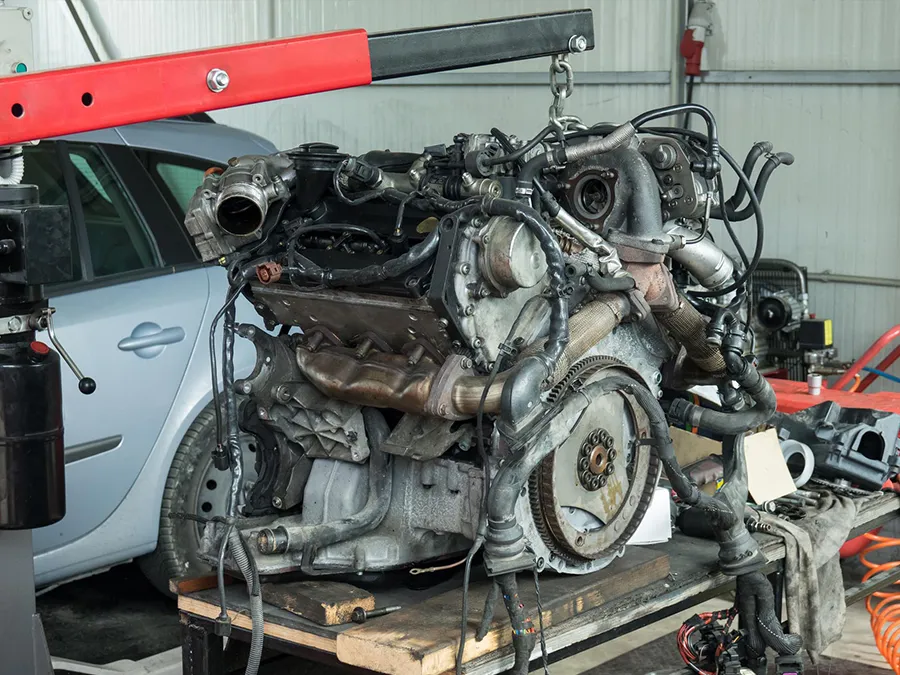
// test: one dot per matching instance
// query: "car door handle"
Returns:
(149, 339)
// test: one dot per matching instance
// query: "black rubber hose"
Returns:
(366, 519)
(748, 379)
(558, 334)
(756, 151)
(759, 187)
(515, 155)
(610, 284)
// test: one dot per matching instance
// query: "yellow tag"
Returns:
(828, 335)
(427, 225)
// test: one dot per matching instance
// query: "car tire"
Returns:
(193, 486)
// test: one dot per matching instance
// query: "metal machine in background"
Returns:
(789, 342)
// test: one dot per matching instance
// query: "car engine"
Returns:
(480, 344)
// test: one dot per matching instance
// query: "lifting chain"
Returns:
(562, 90)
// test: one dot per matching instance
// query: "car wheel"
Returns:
(194, 486)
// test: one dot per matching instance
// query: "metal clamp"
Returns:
(17, 323)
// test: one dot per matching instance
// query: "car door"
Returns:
(130, 321)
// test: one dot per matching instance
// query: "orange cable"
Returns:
(885, 614)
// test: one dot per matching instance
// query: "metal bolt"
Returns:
(283, 393)
(466, 363)
(677, 167)
(217, 80)
(601, 481)
(443, 409)
(610, 469)
(483, 292)
(246, 387)
(578, 44)
(485, 239)
(276, 502)
(443, 323)
(467, 178)
(470, 310)
(262, 413)
(477, 342)
(612, 454)
(465, 268)
(14, 324)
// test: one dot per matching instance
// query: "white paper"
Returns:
(656, 527)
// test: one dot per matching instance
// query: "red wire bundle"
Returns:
(689, 654)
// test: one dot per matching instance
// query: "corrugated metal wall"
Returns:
(835, 210)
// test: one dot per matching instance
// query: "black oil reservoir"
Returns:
(32, 463)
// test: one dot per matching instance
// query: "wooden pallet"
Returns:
(423, 637)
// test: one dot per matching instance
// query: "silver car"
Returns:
(137, 320)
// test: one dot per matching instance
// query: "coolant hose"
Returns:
(759, 188)
(251, 576)
(522, 388)
(573, 152)
(297, 537)
(594, 322)
(558, 334)
(749, 380)
(756, 151)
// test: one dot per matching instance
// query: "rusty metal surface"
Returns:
(397, 321)
(381, 380)
(655, 282)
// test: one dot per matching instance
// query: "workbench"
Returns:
(579, 612)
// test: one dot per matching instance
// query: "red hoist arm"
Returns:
(72, 100)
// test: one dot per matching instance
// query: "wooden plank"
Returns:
(192, 584)
(423, 639)
(274, 625)
(328, 603)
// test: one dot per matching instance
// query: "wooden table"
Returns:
(579, 612)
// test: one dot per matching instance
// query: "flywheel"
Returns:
(589, 495)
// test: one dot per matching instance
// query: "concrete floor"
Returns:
(118, 615)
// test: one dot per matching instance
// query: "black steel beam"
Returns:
(431, 50)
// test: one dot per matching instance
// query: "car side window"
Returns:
(44, 169)
(177, 176)
(118, 240)
(182, 181)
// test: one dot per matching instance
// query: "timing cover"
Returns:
(588, 496)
